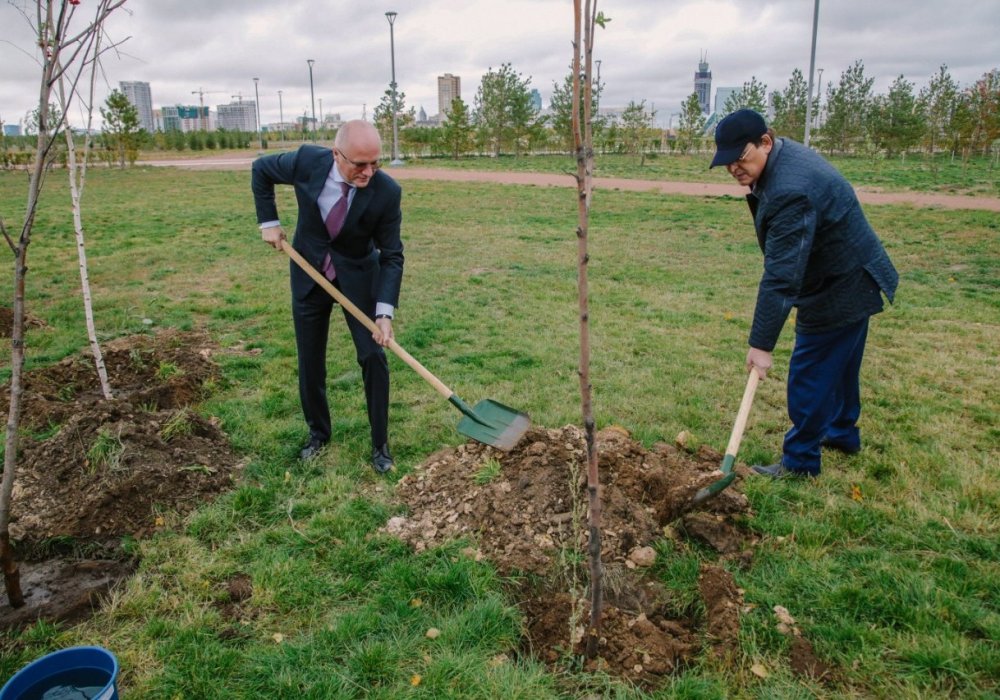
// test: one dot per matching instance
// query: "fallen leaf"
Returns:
(415, 680)
(278, 637)
(759, 671)
(416, 603)
(433, 633)
(856, 492)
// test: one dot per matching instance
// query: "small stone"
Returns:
(643, 556)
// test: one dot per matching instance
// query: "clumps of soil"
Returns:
(92, 471)
(526, 512)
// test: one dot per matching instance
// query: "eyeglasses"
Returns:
(373, 164)
(746, 152)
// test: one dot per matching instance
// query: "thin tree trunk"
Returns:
(11, 573)
(77, 181)
(583, 141)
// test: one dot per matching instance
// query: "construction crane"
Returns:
(201, 104)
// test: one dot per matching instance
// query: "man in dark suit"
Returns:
(822, 257)
(348, 227)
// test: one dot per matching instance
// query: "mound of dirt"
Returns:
(526, 512)
(92, 471)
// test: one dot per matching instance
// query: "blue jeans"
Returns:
(824, 394)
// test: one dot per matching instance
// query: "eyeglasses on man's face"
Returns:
(373, 164)
(746, 152)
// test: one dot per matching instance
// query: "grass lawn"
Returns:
(890, 562)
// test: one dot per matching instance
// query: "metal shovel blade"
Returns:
(492, 423)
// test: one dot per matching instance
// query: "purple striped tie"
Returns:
(335, 222)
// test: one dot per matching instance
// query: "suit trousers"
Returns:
(311, 316)
(824, 394)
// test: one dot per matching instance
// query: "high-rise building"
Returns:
(139, 95)
(186, 118)
(536, 99)
(703, 85)
(237, 116)
(449, 88)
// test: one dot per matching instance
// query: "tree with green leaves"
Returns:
(383, 114)
(458, 129)
(561, 108)
(938, 101)
(848, 104)
(637, 127)
(121, 128)
(984, 101)
(896, 122)
(504, 113)
(691, 124)
(753, 95)
(790, 108)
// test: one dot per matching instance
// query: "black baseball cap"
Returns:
(733, 134)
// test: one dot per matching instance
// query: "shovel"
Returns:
(728, 475)
(490, 422)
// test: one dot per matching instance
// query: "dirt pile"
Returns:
(526, 512)
(92, 471)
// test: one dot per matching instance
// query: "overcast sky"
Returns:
(649, 50)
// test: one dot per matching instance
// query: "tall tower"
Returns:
(449, 88)
(703, 84)
(139, 95)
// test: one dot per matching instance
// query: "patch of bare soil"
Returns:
(526, 511)
(92, 471)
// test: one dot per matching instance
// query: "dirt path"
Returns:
(703, 189)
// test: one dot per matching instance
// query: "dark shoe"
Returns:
(778, 471)
(840, 447)
(311, 449)
(382, 460)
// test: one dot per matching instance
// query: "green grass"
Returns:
(898, 590)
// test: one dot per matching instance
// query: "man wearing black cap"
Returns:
(822, 257)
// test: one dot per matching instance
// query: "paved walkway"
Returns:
(408, 172)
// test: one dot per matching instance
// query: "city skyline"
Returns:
(648, 51)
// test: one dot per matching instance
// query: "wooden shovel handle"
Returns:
(741, 416)
(357, 313)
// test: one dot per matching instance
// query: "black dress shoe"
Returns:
(311, 449)
(381, 459)
(778, 471)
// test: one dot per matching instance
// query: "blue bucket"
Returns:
(77, 673)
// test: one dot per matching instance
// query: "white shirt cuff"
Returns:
(383, 308)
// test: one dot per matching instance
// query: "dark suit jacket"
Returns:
(820, 253)
(369, 241)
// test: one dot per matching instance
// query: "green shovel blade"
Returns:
(492, 423)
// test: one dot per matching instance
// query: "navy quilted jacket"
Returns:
(820, 253)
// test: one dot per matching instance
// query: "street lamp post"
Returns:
(812, 68)
(281, 116)
(391, 16)
(320, 112)
(260, 131)
(312, 95)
